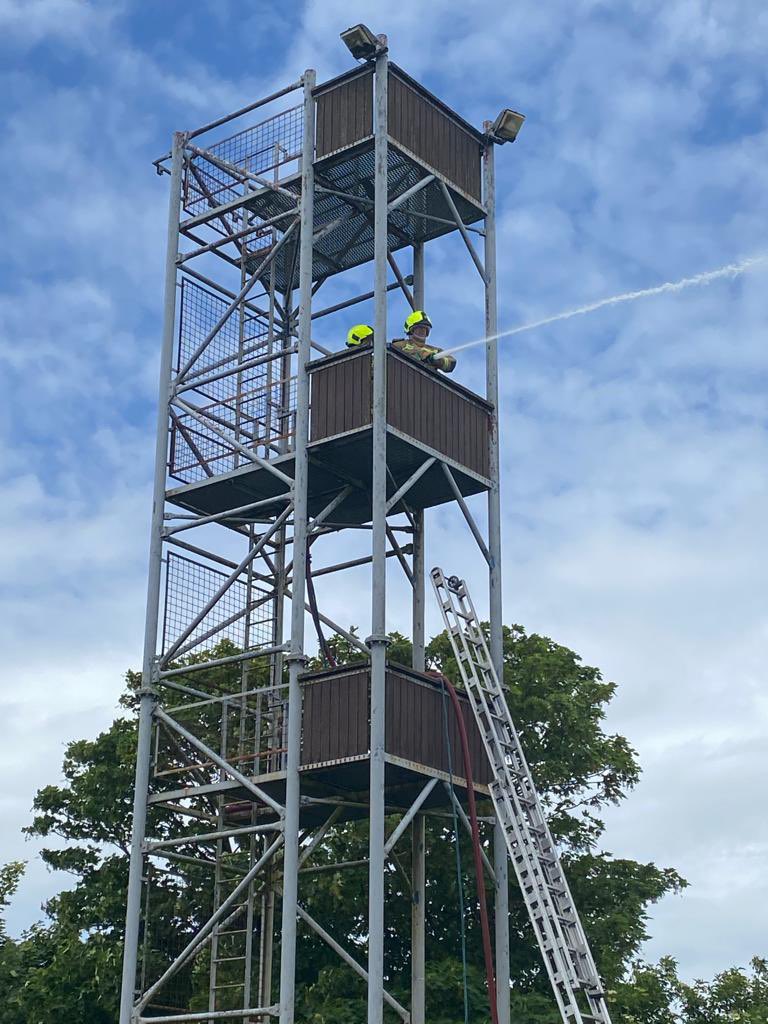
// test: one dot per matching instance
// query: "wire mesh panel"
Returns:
(237, 403)
(171, 907)
(190, 585)
(262, 150)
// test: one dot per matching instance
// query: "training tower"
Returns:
(269, 443)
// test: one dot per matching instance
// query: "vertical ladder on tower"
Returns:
(559, 932)
(232, 938)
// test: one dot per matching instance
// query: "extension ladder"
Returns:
(563, 943)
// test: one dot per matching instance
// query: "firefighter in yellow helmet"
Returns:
(359, 335)
(417, 328)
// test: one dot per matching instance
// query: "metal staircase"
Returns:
(563, 943)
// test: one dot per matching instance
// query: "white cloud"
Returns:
(76, 22)
(634, 440)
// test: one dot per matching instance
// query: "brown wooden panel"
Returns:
(432, 135)
(344, 114)
(335, 717)
(416, 728)
(425, 408)
(420, 403)
(320, 405)
(336, 714)
(341, 396)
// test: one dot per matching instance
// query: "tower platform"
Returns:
(428, 416)
(335, 748)
(430, 146)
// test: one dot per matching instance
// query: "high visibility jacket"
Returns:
(423, 352)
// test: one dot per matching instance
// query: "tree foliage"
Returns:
(69, 965)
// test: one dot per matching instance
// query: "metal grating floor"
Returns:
(333, 463)
(350, 242)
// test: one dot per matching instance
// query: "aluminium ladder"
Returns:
(563, 943)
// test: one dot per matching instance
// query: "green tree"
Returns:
(69, 966)
(10, 876)
(654, 994)
(733, 995)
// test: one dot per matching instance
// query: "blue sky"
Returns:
(634, 439)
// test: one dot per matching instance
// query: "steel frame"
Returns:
(224, 726)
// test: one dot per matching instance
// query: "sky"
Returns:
(633, 439)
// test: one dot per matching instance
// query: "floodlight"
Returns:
(360, 42)
(507, 125)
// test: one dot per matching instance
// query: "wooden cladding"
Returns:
(417, 121)
(426, 407)
(336, 717)
(421, 404)
(341, 396)
(435, 138)
(344, 114)
(415, 728)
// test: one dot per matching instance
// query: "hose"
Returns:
(459, 872)
(325, 649)
(480, 878)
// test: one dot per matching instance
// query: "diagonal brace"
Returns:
(318, 837)
(412, 479)
(197, 940)
(350, 637)
(467, 514)
(247, 287)
(251, 456)
(350, 961)
(408, 817)
(230, 580)
(400, 554)
(218, 760)
(401, 281)
(405, 196)
(464, 233)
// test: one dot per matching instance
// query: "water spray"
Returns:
(729, 270)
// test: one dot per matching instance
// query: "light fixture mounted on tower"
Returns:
(361, 42)
(506, 126)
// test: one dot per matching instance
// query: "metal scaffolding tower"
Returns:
(268, 442)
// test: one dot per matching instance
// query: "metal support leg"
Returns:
(419, 563)
(418, 920)
(494, 566)
(296, 657)
(419, 646)
(267, 944)
(501, 917)
(378, 640)
(492, 394)
(147, 702)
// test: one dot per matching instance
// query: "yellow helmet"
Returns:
(359, 335)
(418, 316)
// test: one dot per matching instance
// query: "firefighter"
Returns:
(359, 335)
(417, 328)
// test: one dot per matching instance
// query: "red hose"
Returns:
(485, 928)
(325, 649)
